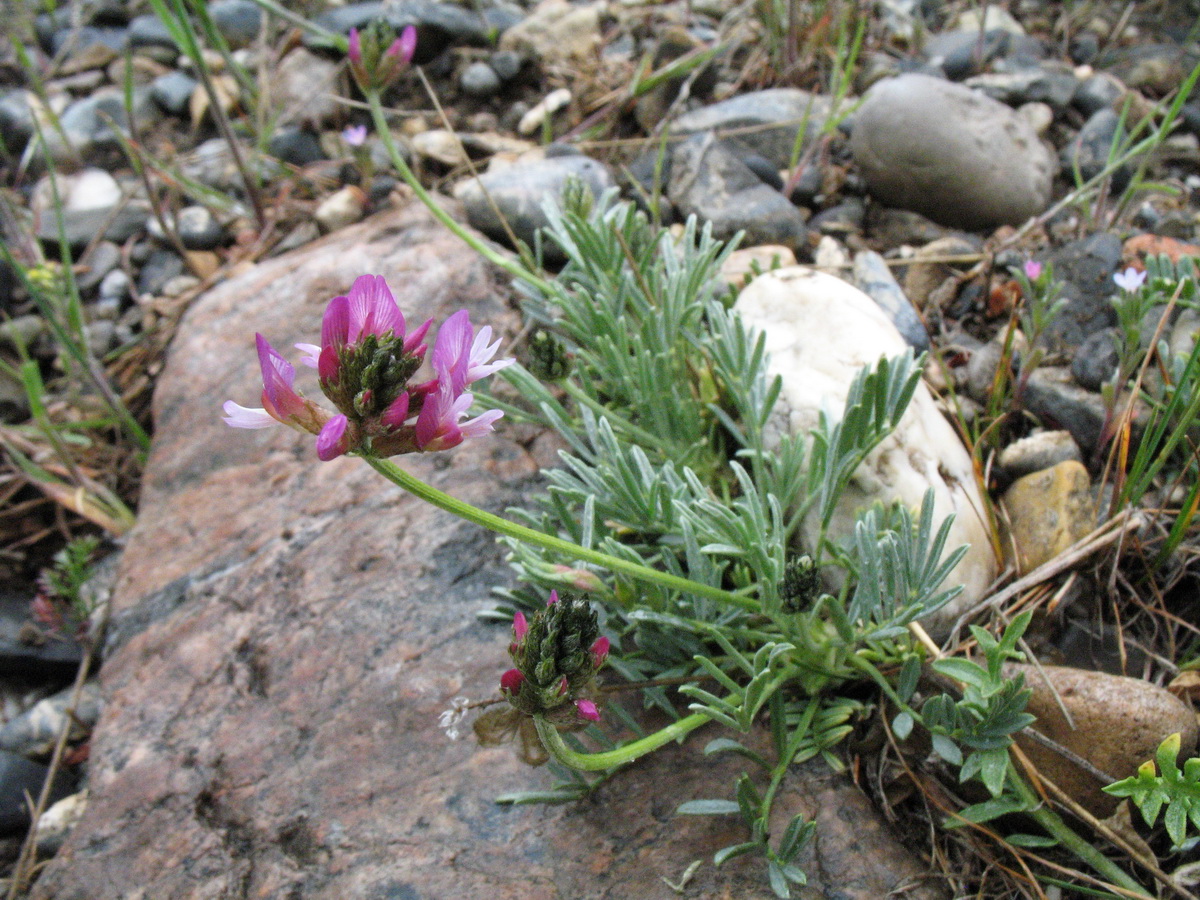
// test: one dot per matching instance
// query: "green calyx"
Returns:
(555, 654)
(371, 374)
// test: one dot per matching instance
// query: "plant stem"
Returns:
(464, 510)
(472, 240)
(598, 762)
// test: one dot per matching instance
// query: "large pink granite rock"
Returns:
(287, 631)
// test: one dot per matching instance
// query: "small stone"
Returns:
(928, 273)
(556, 33)
(20, 779)
(708, 181)
(296, 147)
(1084, 269)
(1052, 395)
(115, 285)
(975, 164)
(198, 228)
(986, 19)
(1044, 84)
(173, 92)
(149, 31)
(479, 80)
(874, 278)
(1118, 723)
(745, 264)
(520, 190)
(1040, 117)
(541, 113)
(56, 823)
(23, 331)
(34, 732)
(1089, 152)
(1040, 450)
(304, 88)
(1097, 359)
(440, 145)
(341, 208)
(16, 118)
(101, 337)
(202, 263)
(238, 21)
(831, 256)
(507, 64)
(1048, 511)
(1097, 92)
(159, 268)
(772, 119)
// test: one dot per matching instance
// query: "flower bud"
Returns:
(377, 56)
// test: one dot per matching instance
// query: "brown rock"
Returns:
(286, 633)
(1048, 511)
(1119, 723)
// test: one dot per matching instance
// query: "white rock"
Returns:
(55, 824)
(552, 103)
(441, 145)
(820, 332)
(341, 208)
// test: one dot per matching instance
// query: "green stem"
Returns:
(464, 510)
(598, 762)
(1056, 827)
(472, 240)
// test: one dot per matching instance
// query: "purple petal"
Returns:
(587, 710)
(237, 416)
(393, 417)
(404, 46)
(355, 49)
(278, 376)
(312, 354)
(1033, 269)
(373, 309)
(451, 350)
(478, 366)
(413, 340)
(335, 325)
(520, 625)
(481, 424)
(332, 441)
(511, 681)
(355, 135)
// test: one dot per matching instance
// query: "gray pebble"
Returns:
(1040, 450)
(874, 278)
(173, 92)
(1096, 360)
(238, 21)
(507, 64)
(115, 285)
(479, 80)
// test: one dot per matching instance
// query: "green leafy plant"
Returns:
(1171, 788)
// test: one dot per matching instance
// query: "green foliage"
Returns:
(1176, 790)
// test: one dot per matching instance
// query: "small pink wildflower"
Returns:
(510, 681)
(373, 65)
(520, 626)
(354, 135)
(599, 651)
(1033, 269)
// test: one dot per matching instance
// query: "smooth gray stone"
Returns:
(88, 123)
(875, 279)
(1085, 269)
(1089, 152)
(774, 115)
(16, 119)
(1096, 360)
(710, 182)
(520, 191)
(149, 31)
(82, 225)
(973, 163)
(1043, 84)
(20, 778)
(173, 92)
(479, 80)
(238, 21)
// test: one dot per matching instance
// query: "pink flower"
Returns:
(354, 135)
(375, 67)
(511, 681)
(599, 651)
(439, 424)
(280, 401)
(403, 48)
(520, 626)
(332, 440)
(587, 710)
(1033, 269)
(354, 51)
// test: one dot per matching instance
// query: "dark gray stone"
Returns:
(20, 779)
(1089, 152)
(708, 181)
(105, 257)
(196, 228)
(961, 54)
(161, 267)
(507, 64)
(520, 191)
(479, 80)
(296, 146)
(439, 25)
(16, 119)
(81, 39)
(874, 278)
(1097, 358)
(238, 21)
(149, 31)
(1052, 395)
(1048, 84)
(173, 92)
(88, 123)
(772, 117)
(1097, 92)
(23, 654)
(1085, 268)
(846, 218)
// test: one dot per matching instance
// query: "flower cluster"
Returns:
(557, 654)
(365, 362)
(377, 56)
